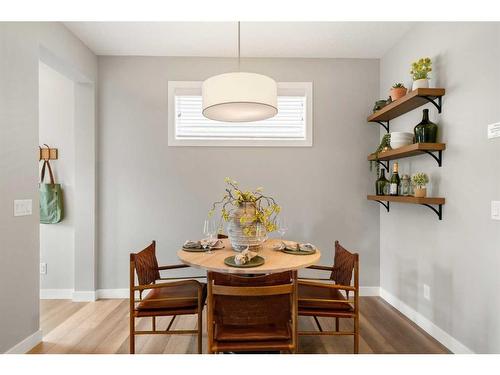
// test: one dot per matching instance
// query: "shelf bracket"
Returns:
(386, 205)
(438, 211)
(384, 164)
(385, 125)
(438, 105)
(438, 158)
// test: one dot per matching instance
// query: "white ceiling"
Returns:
(258, 39)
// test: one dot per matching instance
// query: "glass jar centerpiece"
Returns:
(249, 215)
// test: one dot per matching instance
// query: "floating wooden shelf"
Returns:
(427, 201)
(410, 101)
(410, 150)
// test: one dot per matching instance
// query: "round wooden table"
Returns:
(275, 261)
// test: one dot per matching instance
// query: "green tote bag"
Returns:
(51, 201)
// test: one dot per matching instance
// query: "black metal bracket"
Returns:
(384, 164)
(386, 125)
(438, 158)
(438, 211)
(438, 105)
(386, 205)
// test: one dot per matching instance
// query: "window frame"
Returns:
(284, 88)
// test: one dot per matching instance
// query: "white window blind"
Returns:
(289, 123)
(292, 126)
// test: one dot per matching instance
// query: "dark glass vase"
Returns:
(426, 131)
(380, 183)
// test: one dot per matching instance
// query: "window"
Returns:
(292, 126)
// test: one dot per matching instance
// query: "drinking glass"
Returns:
(282, 227)
(209, 230)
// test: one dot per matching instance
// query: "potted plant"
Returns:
(420, 180)
(250, 215)
(420, 70)
(398, 90)
(385, 145)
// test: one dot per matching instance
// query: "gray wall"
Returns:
(459, 256)
(148, 190)
(19, 236)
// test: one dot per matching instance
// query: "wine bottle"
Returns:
(394, 183)
(381, 182)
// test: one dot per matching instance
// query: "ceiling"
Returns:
(258, 39)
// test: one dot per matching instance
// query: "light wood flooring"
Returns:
(102, 327)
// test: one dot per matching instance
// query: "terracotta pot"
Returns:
(397, 93)
(420, 192)
(420, 84)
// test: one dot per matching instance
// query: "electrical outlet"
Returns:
(43, 268)
(494, 130)
(427, 292)
(23, 207)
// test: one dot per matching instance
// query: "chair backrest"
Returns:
(257, 300)
(344, 264)
(146, 265)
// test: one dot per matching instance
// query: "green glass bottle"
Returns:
(394, 183)
(381, 182)
(426, 131)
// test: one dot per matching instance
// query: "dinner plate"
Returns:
(254, 262)
(299, 252)
(194, 249)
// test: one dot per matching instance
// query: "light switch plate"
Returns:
(494, 130)
(495, 210)
(23, 207)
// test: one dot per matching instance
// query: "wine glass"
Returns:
(209, 230)
(282, 227)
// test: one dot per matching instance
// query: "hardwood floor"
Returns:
(102, 327)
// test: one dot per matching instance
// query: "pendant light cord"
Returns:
(239, 47)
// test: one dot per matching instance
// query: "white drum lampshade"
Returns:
(239, 97)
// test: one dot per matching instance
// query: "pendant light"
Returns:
(239, 96)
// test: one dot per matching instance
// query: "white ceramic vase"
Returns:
(235, 229)
(420, 84)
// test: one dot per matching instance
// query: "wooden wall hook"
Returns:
(47, 153)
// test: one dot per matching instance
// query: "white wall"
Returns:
(459, 256)
(20, 46)
(148, 190)
(56, 128)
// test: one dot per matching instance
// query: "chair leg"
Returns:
(356, 335)
(336, 324)
(200, 330)
(153, 323)
(132, 334)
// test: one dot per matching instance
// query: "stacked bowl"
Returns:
(400, 139)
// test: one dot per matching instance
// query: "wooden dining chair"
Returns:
(320, 299)
(252, 313)
(183, 297)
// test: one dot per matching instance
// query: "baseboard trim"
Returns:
(444, 338)
(56, 293)
(112, 293)
(27, 344)
(84, 296)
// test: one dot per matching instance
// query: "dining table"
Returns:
(274, 260)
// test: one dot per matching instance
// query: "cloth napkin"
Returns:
(307, 247)
(192, 244)
(244, 257)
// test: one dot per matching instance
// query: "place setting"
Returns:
(207, 244)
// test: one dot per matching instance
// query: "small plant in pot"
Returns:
(420, 70)
(420, 181)
(398, 90)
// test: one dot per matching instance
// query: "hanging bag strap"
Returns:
(51, 175)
